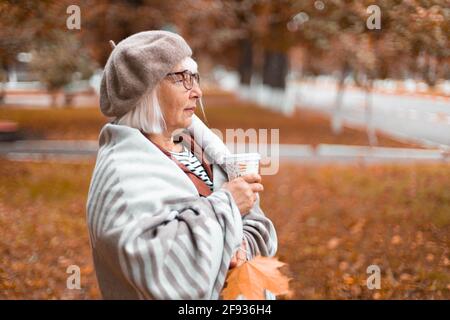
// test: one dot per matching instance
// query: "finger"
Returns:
(233, 262)
(256, 187)
(241, 256)
(240, 263)
(238, 181)
(252, 178)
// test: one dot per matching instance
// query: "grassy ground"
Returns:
(222, 111)
(332, 223)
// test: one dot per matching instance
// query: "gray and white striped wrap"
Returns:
(152, 235)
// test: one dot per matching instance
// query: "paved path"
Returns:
(423, 119)
(38, 99)
(324, 153)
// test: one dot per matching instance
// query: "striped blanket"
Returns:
(152, 235)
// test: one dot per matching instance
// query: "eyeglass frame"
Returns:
(194, 76)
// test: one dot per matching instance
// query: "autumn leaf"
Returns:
(253, 277)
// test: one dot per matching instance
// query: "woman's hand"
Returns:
(240, 256)
(243, 189)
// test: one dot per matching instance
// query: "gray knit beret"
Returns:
(135, 67)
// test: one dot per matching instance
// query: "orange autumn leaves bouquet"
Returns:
(251, 279)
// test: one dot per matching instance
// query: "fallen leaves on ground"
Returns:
(332, 223)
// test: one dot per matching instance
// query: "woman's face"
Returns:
(177, 103)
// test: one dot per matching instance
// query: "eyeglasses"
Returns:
(186, 76)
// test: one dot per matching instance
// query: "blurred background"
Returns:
(360, 94)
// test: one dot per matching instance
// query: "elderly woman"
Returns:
(163, 220)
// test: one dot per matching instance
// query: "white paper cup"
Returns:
(240, 164)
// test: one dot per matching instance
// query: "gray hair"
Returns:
(146, 116)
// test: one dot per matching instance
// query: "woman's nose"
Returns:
(196, 92)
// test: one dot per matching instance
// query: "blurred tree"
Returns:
(105, 20)
(244, 11)
(255, 36)
(412, 41)
(213, 30)
(276, 42)
(26, 25)
(59, 62)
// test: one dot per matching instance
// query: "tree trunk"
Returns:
(68, 99)
(3, 80)
(370, 129)
(246, 62)
(336, 122)
(275, 69)
(431, 71)
(54, 96)
(2, 92)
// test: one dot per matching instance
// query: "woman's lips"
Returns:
(191, 109)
